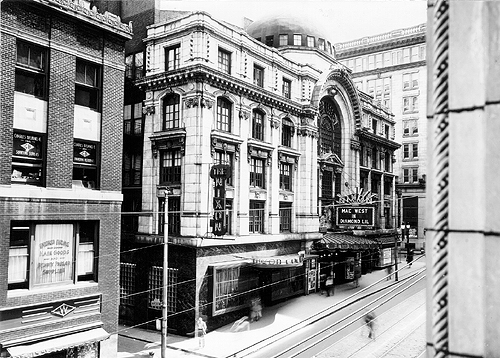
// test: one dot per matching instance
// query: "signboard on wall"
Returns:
(355, 216)
(27, 145)
(53, 253)
(84, 153)
(219, 173)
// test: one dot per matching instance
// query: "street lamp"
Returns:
(168, 191)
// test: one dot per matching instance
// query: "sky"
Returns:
(343, 20)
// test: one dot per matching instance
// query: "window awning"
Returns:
(347, 242)
(58, 344)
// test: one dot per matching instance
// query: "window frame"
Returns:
(287, 88)
(20, 161)
(257, 179)
(38, 74)
(132, 174)
(285, 215)
(224, 60)
(94, 91)
(297, 39)
(88, 167)
(283, 39)
(256, 224)
(224, 114)
(258, 124)
(287, 132)
(170, 167)
(174, 63)
(258, 75)
(286, 171)
(133, 119)
(171, 119)
(31, 279)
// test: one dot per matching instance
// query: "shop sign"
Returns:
(84, 153)
(27, 145)
(355, 216)
(279, 261)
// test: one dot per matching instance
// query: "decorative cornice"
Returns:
(198, 101)
(107, 20)
(205, 74)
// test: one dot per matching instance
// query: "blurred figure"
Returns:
(370, 323)
(243, 324)
(329, 286)
(389, 273)
(201, 326)
(255, 310)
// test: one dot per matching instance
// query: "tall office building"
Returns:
(391, 67)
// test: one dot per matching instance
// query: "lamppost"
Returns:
(168, 192)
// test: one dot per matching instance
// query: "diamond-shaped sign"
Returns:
(84, 153)
(27, 147)
(63, 310)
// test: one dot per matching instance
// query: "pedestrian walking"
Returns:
(389, 273)
(329, 286)
(201, 326)
(370, 323)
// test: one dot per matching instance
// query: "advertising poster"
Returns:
(53, 253)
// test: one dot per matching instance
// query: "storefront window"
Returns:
(44, 254)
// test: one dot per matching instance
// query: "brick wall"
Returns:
(60, 120)
(7, 70)
(112, 129)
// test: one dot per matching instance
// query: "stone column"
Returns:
(463, 226)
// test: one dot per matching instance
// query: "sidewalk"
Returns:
(222, 342)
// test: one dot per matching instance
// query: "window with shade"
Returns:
(283, 40)
(287, 88)
(258, 76)
(31, 69)
(50, 254)
(132, 119)
(88, 85)
(172, 57)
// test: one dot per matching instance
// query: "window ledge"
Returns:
(48, 289)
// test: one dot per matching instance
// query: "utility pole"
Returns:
(165, 277)
(395, 257)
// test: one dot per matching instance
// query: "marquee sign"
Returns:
(355, 216)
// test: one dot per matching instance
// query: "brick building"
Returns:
(61, 96)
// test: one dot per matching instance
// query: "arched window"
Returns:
(224, 114)
(326, 135)
(171, 113)
(330, 139)
(258, 124)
